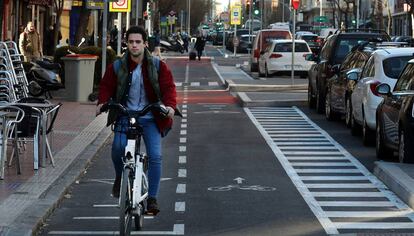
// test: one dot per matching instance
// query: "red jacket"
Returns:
(107, 89)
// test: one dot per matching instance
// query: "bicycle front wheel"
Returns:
(125, 198)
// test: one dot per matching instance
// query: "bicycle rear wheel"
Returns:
(125, 198)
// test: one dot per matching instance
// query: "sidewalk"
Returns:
(26, 199)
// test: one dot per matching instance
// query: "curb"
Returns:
(396, 180)
(233, 87)
(31, 220)
(245, 101)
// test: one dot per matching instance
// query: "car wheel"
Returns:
(405, 152)
(311, 100)
(254, 68)
(320, 103)
(355, 127)
(329, 114)
(367, 134)
(383, 153)
(267, 75)
(260, 72)
(348, 112)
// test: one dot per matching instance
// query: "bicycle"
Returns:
(134, 181)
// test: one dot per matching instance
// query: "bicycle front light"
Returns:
(132, 120)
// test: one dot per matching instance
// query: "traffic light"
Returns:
(247, 7)
(256, 7)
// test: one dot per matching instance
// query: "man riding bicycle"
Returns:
(135, 81)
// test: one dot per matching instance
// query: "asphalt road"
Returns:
(220, 174)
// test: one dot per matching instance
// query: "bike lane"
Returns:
(219, 176)
(234, 185)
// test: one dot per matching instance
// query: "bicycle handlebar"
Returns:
(157, 106)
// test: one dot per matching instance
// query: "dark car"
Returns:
(334, 51)
(245, 43)
(339, 88)
(395, 118)
(230, 38)
(313, 41)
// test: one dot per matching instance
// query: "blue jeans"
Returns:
(152, 140)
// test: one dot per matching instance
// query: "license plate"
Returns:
(296, 67)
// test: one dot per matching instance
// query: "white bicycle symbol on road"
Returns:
(241, 187)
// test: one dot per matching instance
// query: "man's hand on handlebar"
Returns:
(171, 112)
(98, 109)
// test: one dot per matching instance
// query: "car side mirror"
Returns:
(383, 89)
(353, 74)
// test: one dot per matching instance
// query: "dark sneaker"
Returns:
(116, 187)
(152, 206)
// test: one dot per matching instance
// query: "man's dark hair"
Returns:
(137, 30)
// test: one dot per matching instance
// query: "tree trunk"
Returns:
(81, 31)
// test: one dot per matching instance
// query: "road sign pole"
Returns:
(104, 33)
(234, 37)
(293, 47)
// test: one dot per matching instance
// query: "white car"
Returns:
(383, 66)
(277, 57)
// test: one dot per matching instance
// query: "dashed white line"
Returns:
(180, 206)
(181, 188)
(182, 148)
(182, 159)
(183, 132)
(183, 140)
(182, 173)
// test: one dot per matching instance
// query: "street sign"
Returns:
(163, 21)
(295, 4)
(171, 19)
(120, 6)
(224, 17)
(235, 17)
(321, 19)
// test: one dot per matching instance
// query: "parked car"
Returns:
(384, 66)
(395, 118)
(230, 38)
(339, 88)
(245, 43)
(277, 57)
(262, 40)
(335, 49)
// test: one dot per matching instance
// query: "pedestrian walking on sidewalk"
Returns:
(137, 80)
(29, 44)
(199, 46)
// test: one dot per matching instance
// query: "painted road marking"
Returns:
(181, 188)
(103, 217)
(179, 206)
(356, 203)
(182, 159)
(178, 229)
(309, 169)
(182, 173)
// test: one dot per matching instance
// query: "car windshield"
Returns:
(287, 47)
(309, 37)
(394, 65)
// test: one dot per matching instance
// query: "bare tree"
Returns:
(81, 30)
(58, 4)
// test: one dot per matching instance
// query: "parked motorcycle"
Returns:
(43, 77)
(173, 44)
